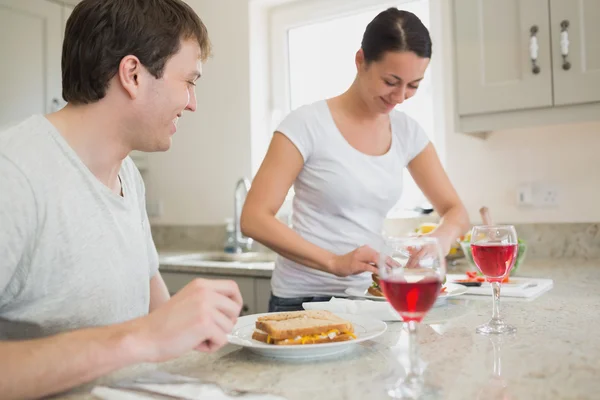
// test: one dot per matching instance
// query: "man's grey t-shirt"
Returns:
(73, 253)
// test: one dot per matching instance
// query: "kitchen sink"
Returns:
(250, 257)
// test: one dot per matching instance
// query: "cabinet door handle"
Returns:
(564, 44)
(534, 49)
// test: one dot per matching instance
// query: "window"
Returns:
(313, 49)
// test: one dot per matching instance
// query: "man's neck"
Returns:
(97, 137)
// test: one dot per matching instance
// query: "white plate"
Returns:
(365, 328)
(452, 290)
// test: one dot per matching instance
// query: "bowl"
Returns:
(466, 247)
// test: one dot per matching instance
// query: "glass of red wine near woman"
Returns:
(411, 272)
(495, 249)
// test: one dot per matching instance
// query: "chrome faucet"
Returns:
(242, 243)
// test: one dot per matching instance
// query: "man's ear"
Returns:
(130, 73)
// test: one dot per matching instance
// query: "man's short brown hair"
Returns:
(100, 33)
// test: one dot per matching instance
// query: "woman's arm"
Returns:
(428, 173)
(279, 170)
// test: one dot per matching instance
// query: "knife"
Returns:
(474, 284)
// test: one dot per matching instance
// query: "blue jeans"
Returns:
(281, 304)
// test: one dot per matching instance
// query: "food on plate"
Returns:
(302, 327)
(474, 276)
(375, 289)
(425, 228)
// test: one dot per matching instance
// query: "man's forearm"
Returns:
(36, 368)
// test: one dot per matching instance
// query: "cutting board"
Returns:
(517, 287)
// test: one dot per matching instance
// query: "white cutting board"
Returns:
(517, 287)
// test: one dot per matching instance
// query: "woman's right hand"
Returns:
(362, 259)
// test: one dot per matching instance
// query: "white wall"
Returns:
(566, 155)
(195, 179)
(212, 147)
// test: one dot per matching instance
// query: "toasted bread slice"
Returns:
(264, 337)
(321, 314)
(293, 324)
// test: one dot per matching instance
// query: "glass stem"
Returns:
(497, 360)
(496, 310)
(414, 372)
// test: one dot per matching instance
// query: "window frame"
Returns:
(288, 16)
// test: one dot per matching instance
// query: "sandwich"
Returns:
(302, 327)
(375, 289)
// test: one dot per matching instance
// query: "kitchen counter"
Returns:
(555, 354)
(168, 263)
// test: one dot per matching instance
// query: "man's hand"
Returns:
(200, 316)
(362, 259)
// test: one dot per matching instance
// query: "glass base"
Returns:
(496, 327)
(414, 390)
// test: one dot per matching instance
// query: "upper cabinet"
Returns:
(494, 67)
(525, 62)
(575, 27)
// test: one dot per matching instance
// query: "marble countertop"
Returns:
(555, 354)
(169, 263)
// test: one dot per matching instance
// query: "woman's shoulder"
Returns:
(310, 110)
(410, 134)
(405, 123)
(307, 117)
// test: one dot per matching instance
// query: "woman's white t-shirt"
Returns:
(342, 195)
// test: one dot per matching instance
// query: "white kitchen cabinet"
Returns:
(31, 33)
(525, 62)
(494, 67)
(177, 280)
(262, 290)
(577, 74)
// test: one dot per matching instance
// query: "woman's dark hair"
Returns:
(395, 30)
(100, 33)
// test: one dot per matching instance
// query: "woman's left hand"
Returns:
(428, 251)
(443, 240)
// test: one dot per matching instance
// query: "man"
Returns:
(80, 291)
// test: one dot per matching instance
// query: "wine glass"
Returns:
(411, 272)
(497, 386)
(494, 249)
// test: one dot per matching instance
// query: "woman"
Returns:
(345, 157)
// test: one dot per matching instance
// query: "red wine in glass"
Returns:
(494, 260)
(412, 300)
(411, 272)
(494, 249)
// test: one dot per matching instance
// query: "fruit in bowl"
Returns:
(465, 244)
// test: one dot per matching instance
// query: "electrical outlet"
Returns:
(538, 194)
(525, 195)
(547, 196)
